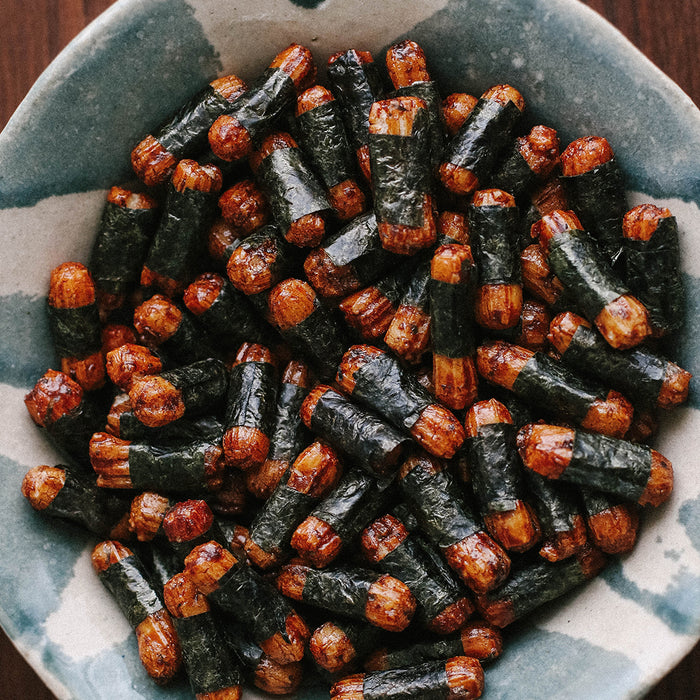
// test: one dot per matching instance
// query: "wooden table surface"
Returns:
(666, 31)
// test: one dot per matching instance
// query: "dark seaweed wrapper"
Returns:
(356, 86)
(637, 372)
(653, 272)
(350, 505)
(75, 332)
(409, 564)
(494, 235)
(186, 131)
(82, 502)
(325, 143)
(393, 284)
(495, 468)
(189, 343)
(268, 97)
(291, 187)
(127, 580)
(343, 591)
(608, 464)
(180, 432)
(400, 167)
(202, 384)
(363, 436)
(180, 233)
(363, 637)
(451, 327)
(427, 681)
(439, 507)
(554, 502)
(483, 137)
(288, 435)
(257, 605)
(232, 320)
(440, 649)
(383, 385)
(514, 175)
(417, 293)
(429, 93)
(120, 247)
(248, 653)
(537, 584)
(205, 654)
(275, 522)
(252, 396)
(320, 338)
(598, 198)
(596, 502)
(171, 470)
(547, 384)
(577, 262)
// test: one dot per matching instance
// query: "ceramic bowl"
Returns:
(70, 140)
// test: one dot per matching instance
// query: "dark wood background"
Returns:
(34, 32)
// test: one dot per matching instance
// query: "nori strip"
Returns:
(350, 505)
(168, 469)
(653, 272)
(275, 522)
(493, 232)
(577, 262)
(363, 436)
(178, 240)
(358, 243)
(232, 320)
(288, 435)
(180, 431)
(451, 328)
(546, 383)
(514, 175)
(205, 654)
(342, 590)
(494, 466)
(417, 292)
(323, 140)
(483, 137)
(292, 188)
(120, 247)
(537, 584)
(608, 464)
(320, 338)
(638, 372)
(265, 101)
(189, 343)
(409, 563)
(427, 681)
(437, 650)
(75, 332)
(598, 198)
(427, 91)
(82, 502)
(186, 131)
(162, 563)
(595, 502)
(385, 386)
(202, 384)
(356, 86)
(439, 507)
(400, 174)
(257, 605)
(393, 284)
(247, 652)
(554, 502)
(252, 396)
(127, 580)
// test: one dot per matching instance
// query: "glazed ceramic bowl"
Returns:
(70, 141)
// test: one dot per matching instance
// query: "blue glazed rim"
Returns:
(104, 126)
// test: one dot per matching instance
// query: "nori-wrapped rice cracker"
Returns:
(556, 504)
(370, 442)
(653, 274)
(180, 431)
(493, 235)
(207, 661)
(202, 384)
(428, 681)
(75, 331)
(483, 137)
(292, 188)
(120, 247)
(598, 198)
(577, 262)
(252, 396)
(288, 435)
